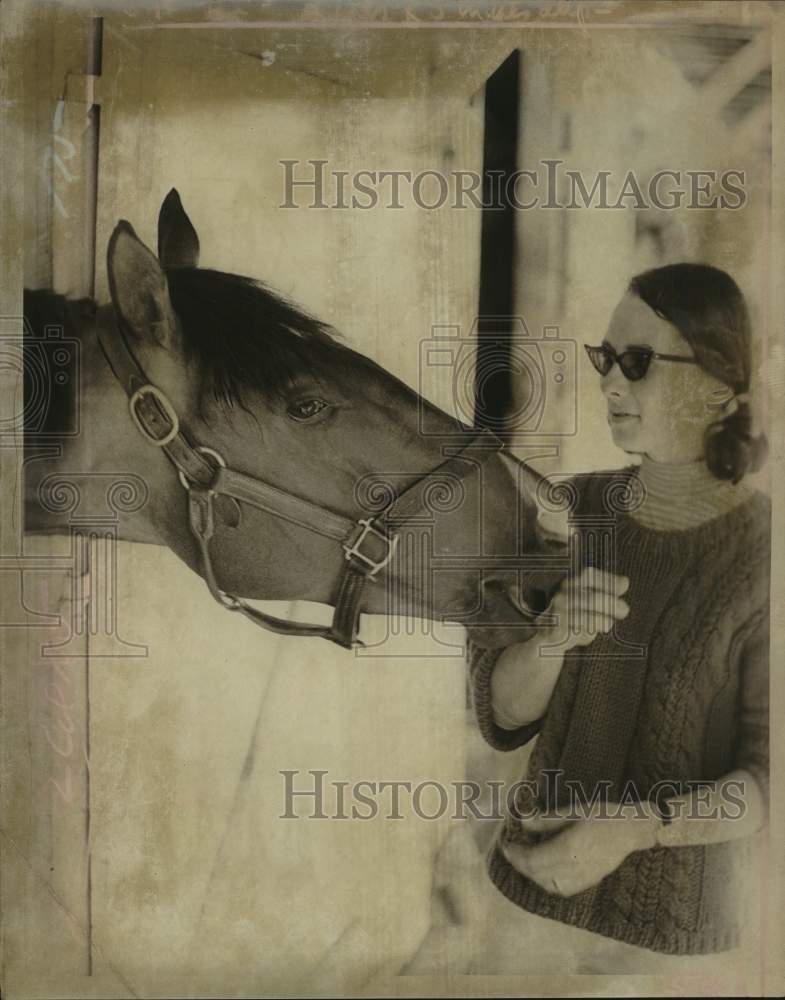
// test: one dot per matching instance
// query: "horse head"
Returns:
(281, 459)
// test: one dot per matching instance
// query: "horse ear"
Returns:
(139, 291)
(178, 244)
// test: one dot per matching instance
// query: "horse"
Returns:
(280, 464)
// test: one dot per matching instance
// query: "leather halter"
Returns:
(368, 544)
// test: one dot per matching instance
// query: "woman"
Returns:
(649, 673)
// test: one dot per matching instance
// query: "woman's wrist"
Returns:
(520, 692)
(646, 827)
(694, 819)
(505, 687)
(505, 721)
(639, 824)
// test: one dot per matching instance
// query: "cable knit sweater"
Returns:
(678, 694)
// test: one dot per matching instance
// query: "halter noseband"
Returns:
(368, 544)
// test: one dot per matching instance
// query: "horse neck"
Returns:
(100, 472)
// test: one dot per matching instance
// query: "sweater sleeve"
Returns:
(588, 492)
(481, 665)
(752, 752)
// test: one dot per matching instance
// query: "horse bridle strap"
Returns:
(368, 544)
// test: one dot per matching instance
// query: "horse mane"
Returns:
(244, 335)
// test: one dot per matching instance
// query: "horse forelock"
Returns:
(245, 336)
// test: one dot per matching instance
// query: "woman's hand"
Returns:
(526, 673)
(576, 854)
(584, 607)
(580, 853)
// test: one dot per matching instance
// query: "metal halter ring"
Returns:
(203, 450)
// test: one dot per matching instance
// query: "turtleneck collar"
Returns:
(681, 495)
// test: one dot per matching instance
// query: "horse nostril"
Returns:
(523, 603)
(519, 602)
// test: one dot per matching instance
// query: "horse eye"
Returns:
(305, 409)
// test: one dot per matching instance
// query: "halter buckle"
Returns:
(150, 390)
(353, 551)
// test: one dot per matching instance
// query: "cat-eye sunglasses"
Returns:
(634, 362)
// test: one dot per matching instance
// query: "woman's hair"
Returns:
(708, 309)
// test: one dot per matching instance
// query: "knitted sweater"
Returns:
(678, 693)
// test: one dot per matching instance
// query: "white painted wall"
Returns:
(197, 884)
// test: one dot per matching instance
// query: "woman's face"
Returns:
(664, 414)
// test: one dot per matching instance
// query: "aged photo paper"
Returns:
(391, 526)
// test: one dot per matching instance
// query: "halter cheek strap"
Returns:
(368, 544)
